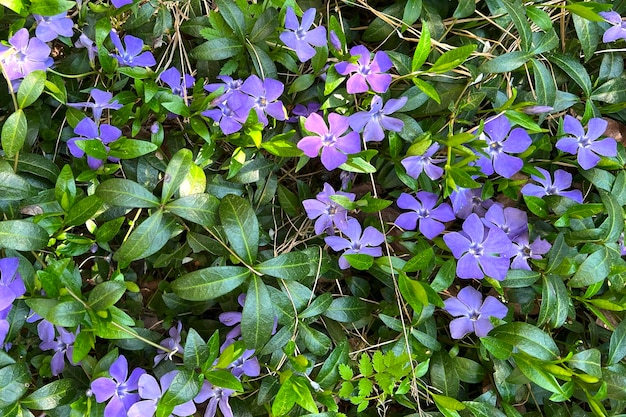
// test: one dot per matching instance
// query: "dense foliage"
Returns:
(312, 209)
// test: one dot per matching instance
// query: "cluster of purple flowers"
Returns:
(24, 56)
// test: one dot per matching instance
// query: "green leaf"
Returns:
(292, 265)
(38, 165)
(422, 50)
(264, 26)
(50, 396)
(452, 59)
(108, 230)
(588, 361)
(31, 88)
(412, 11)
(223, 379)
(412, 292)
(84, 210)
(499, 349)
(22, 235)
(121, 192)
(50, 7)
(595, 268)
(303, 394)
(315, 341)
(257, 317)
(210, 283)
(427, 89)
(420, 261)
(559, 252)
(505, 63)
(574, 69)
(520, 278)
(281, 147)
(617, 344)
(185, 387)
(529, 367)
(528, 339)
(517, 13)
(443, 374)
(329, 372)
(317, 307)
(588, 10)
(554, 301)
(216, 50)
(358, 165)
(263, 64)
(285, 399)
(241, 226)
(233, 16)
(196, 351)
(106, 294)
(15, 382)
(359, 261)
(65, 188)
(346, 309)
(13, 187)
(198, 208)
(614, 224)
(587, 34)
(14, 133)
(16, 5)
(545, 86)
(67, 314)
(148, 238)
(131, 148)
(301, 83)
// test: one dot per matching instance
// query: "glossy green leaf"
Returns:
(443, 374)
(241, 226)
(22, 235)
(452, 59)
(481, 409)
(588, 35)
(528, 339)
(184, 387)
(130, 148)
(359, 261)
(209, 283)
(506, 62)
(427, 89)
(67, 314)
(328, 374)
(465, 8)
(14, 133)
(517, 13)
(121, 192)
(285, 399)
(84, 210)
(50, 7)
(31, 88)
(16, 380)
(148, 238)
(317, 306)
(233, 16)
(558, 253)
(617, 344)
(588, 361)
(51, 396)
(257, 318)
(38, 165)
(216, 49)
(422, 50)
(315, 341)
(106, 294)
(346, 309)
(412, 11)
(224, 379)
(198, 208)
(614, 224)
(574, 69)
(13, 187)
(196, 351)
(520, 278)
(594, 268)
(292, 265)
(554, 301)
(65, 188)
(533, 371)
(264, 26)
(545, 86)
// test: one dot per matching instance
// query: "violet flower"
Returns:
(84, 42)
(247, 364)
(372, 122)
(499, 144)
(525, 251)
(131, 56)
(510, 220)
(473, 313)
(11, 283)
(24, 56)
(119, 389)
(417, 164)
(562, 181)
(88, 130)
(230, 113)
(334, 146)
(585, 145)
(172, 344)
(5, 326)
(298, 36)
(63, 346)
(334, 40)
(233, 319)
(367, 73)
(466, 201)
(179, 83)
(102, 100)
(119, 3)
(326, 211)
(304, 111)
(231, 87)
(618, 28)
(151, 392)
(265, 96)
(367, 243)
(479, 255)
(51, 27)
(424, 212)
(218, 397)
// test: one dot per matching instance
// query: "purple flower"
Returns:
(499, 144)
(131, 56)
(622, 247)
(466, 201)
(63, 345)
(24, 56)
(367, 72)
(230, 86)
(326, 211)
(246, 364)
(119, 388)
(373, 122)
(230, 113)
(473, 313)
(51, 27)
(11, 283)
(510, 220)
(119, 3)
(5, 326)
(304, 111)
(335, 41)
(417, 164)
(84, 42)
(618, 28)
(88, 130)
(299, 37)
(172, 344)
(150, 391)
(424, 212)
(217, 397)
(585, 144)
(233, 318)
(562, 180)
(265, 97)
(102, 100)
(367, 243)
(334, 146)
(479, 255)
(177, 82)
(525, 251)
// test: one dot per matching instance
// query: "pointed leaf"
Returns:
(50, 396)
(121, 192)
(197, 208)
(106, 294)
(22, 235)
(31, 88)
(14, 133)
(292, 265)
(241, 226)
(148, 238)
(257, 320)
(210, 283)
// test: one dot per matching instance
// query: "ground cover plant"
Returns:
(281, 208)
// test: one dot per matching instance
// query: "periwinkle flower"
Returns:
(510, 220)
(84, 42)
(63, 345)
(247, 364)
(472, 313)
(373, 122)
(366, 73)
(479, 252)
(24, 56)
(232, 87)
(524, 250)
(233, 319)
(88, 130)
(562, 181)
(585, 145)
(151, 392)
(304, 110)
(366, 241)
(424, 213)
(11, 283)
(617, 29)
(334, 40)
(265, 96)
(119, 390)
(51, 27)
(466, 201)
(119, 3)
(417, 164)
(326, 211)
(172, 344)
(334, 146)
(101, 100)
(230, 113)
(131, 55)
(298, 37)
(179, 83)
(499, 144)
(5, 326)
(218, 397)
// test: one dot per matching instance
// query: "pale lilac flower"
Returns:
(466, 201)
(562, 181)
(11, 283)
(88, 130)
(346, 178)
(151, 392)
(473, 313)
(84, 42)
(230, 113)
(233, 319)
(525, 251)
(102, 100)
(179, 83)
(298, 36)
(479, 252)
(417, 164)
(120, 389)
(24, 56)
(537, 109)
(367, 243)
(172, 344)
(424, 212)
(119, 3)
(265, 96)
(373, 122)
(367, 73)
(510, 220)
(334, 146)
(499, 144)
(585, 145)
(231, 87)
(51, 27)
(218, 397)
(63, 346)
(618, 28)
(326, 211)
(131, 56)
(5, 326)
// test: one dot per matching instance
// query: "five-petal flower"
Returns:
(368, 73)
(373, 122)
(585, 145)
(424, 212)
(326, 211)
(472, 313)
(298, 37)
(368, 242)
(131, 55)
(562, 181)
(119, 390)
